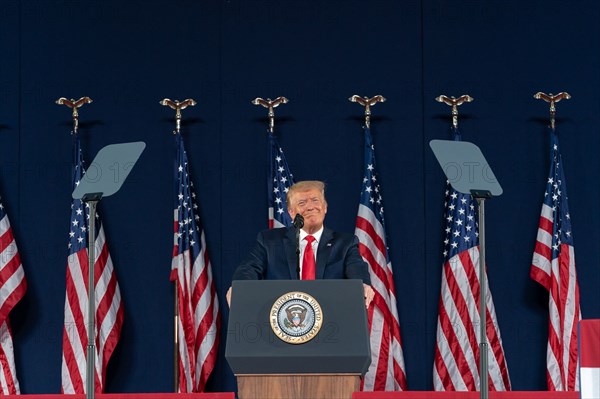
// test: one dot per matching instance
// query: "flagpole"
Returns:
(566, 299)
(480, 196)
(92, 201)
(270, 105)
(552, 100)
(367, 103)
(385, 308)
(177, 106)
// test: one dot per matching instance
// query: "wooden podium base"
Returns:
(297, 386)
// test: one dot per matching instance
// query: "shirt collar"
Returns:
(316, 234)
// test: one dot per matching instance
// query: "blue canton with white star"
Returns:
(370, 194)
(279, 183)
(461, 217)
(78, 233)
(556, 198)
(188, 232)
(2, 211)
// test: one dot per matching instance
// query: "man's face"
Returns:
(312, 206)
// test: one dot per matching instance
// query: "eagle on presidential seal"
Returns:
(295, 316)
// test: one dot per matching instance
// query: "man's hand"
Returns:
(228, 296)
(369, 294)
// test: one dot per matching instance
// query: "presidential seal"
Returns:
(296, 317)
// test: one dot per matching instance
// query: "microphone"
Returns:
(298, 221)
(298, 224)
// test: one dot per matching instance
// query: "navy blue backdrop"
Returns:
(129, 55)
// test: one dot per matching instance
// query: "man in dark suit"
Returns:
(324, 253)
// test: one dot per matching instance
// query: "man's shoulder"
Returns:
(338, 235)
(274, 234)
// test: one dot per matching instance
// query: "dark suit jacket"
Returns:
(274, 257)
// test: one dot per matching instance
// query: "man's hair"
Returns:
(302, 186)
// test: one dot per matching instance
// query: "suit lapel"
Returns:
(289, 246)
(323, 252)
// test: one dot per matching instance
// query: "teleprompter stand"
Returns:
(103, 178)
(469, 173)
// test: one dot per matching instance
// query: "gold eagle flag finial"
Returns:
(454, 103)
(367, 103)
(177, 106)
(270, 104)
(552, 100)
(74, 105)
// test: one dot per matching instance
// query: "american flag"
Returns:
(589, 357)
(199, 317)
(279, 181)
(12, 288)
(456, 364)
(386, 372)
(109, 307)
(553, 266)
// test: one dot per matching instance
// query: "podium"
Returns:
(298, 339)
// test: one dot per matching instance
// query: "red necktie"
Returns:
(308, 261)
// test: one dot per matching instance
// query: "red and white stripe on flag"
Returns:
(109, 317)
(274, 223)
(8, 374)
(199, 319)
(558, 275)
(456, 365)
(387, 371)
(12, 288)
(589, 358)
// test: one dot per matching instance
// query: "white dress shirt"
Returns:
(315, 245)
